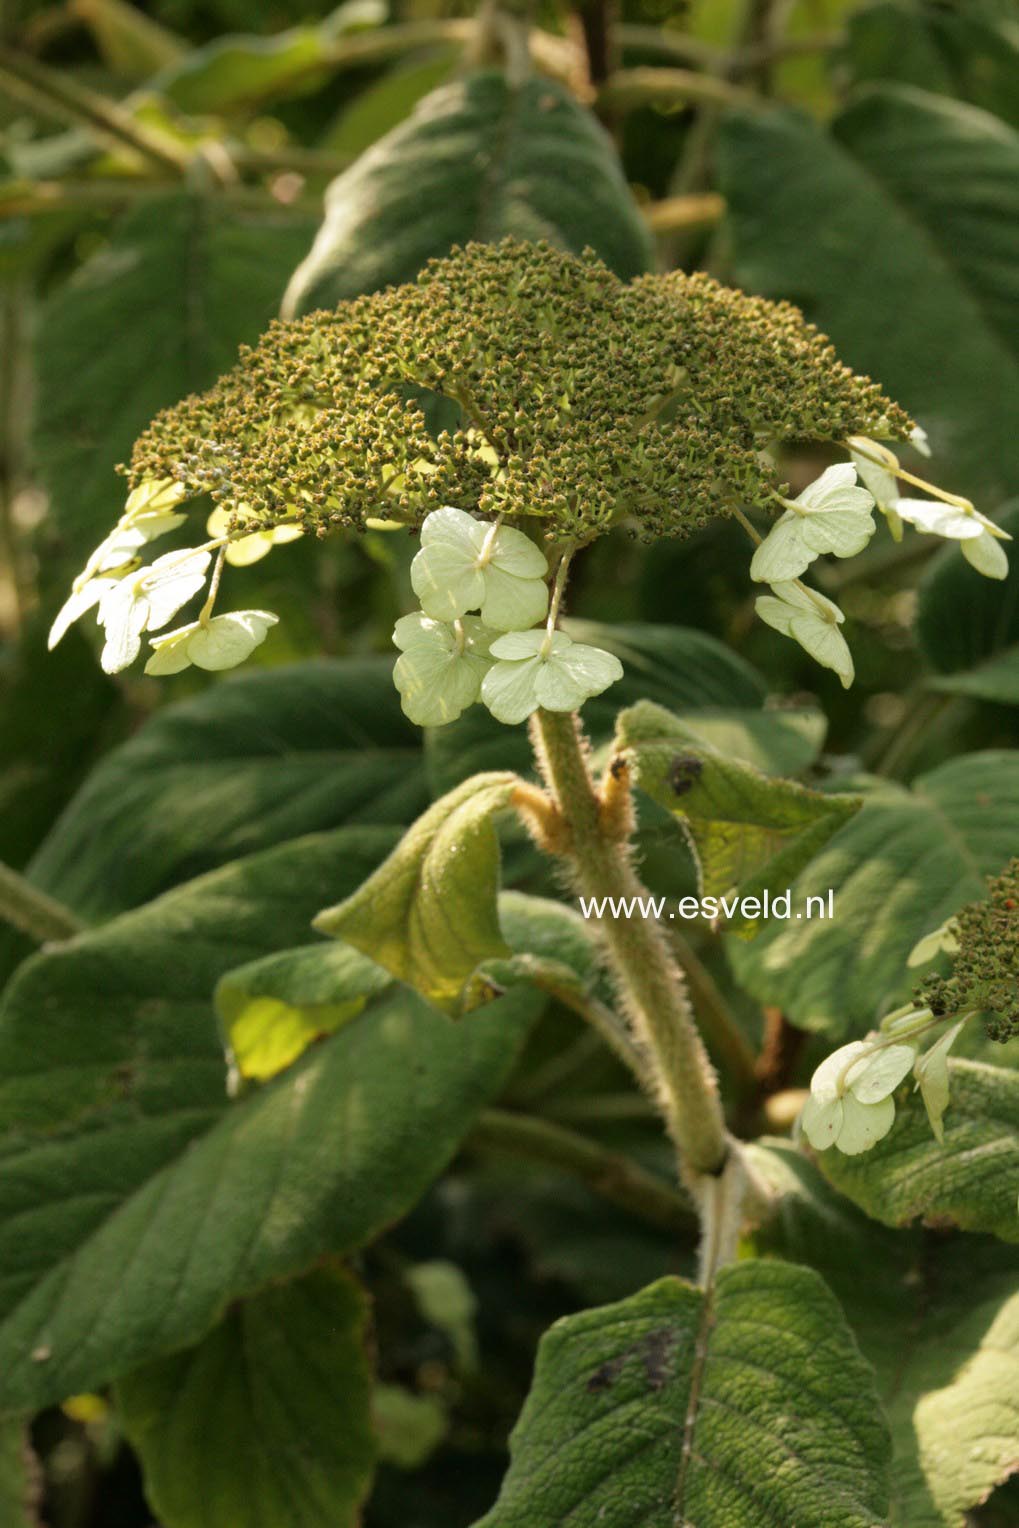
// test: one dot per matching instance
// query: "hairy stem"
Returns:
(648, 980)
(615, 1178)
(27, 908)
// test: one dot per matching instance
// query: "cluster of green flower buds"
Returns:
(984, 941)
(512, 388)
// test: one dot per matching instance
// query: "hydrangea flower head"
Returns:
(850, 1104)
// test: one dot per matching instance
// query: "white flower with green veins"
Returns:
(146, 600)
(220, 642)
(831, 515)
(850, 1104)
(811, 620)
(540, 668)
(466, 564)
(441, 666)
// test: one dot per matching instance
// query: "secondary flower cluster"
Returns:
(983, 939)
(450, 658)
(834, 515)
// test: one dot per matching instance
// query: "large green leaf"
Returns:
(156, 313)
(954, 51)
(939, 1320)
(747, 1405)
(135, 1200)
(267, 1419)
(969, 1180)
(478, 159)
(430, 915)
(907, 861)
(898, 233)
(750, 833)
(258, 759)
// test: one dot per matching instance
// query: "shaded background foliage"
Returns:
(165, 173)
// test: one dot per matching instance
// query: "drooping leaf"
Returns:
(746, 1405)
(969, 1180)
(267, 1418)
(260, 758)
(135, 1200)
(478, 159)
(274, 1008)
(905, 863)
(429, 914)
(925, 191)
(162, 337)
(750, 833)
(940, 1323)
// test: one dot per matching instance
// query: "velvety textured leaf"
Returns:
(162, 338)
(135, 1200)
(478, 159)
(267, 1419)
(749, 832)
(905, 863)
(898, 233)
(969, 1181)
(747, 1405)
(259, 758)
(429, 915)
(939, 1320)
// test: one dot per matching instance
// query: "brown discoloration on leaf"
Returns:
(684, 772)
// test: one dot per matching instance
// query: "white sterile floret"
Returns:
(941, 940)
(466, 564)
(850, 1104)
(221, 642)
(441, 666)
(880, 482)
(149, 513)
(811, 620)
(832, 515)
(146, 600)
(918, 440)
(536, 668)
(931, 1073)
(248, 549)
(980, 537)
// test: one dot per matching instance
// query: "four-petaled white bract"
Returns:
(245, 550)
(850, 1104)
(535, 668)
(941, 940)
(146, 600)
(882, 484)
(831, 515)
(466, 565)
(440, 669)
(219, 643)
(813, 622)
(980, 537)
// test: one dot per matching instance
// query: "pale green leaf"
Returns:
(749, 832)
(429, 914)
(746, 1405)
(267, 1419)
(908, 860)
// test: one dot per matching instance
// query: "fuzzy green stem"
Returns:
(27, 908)
(614, 1177)
(649, 981)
